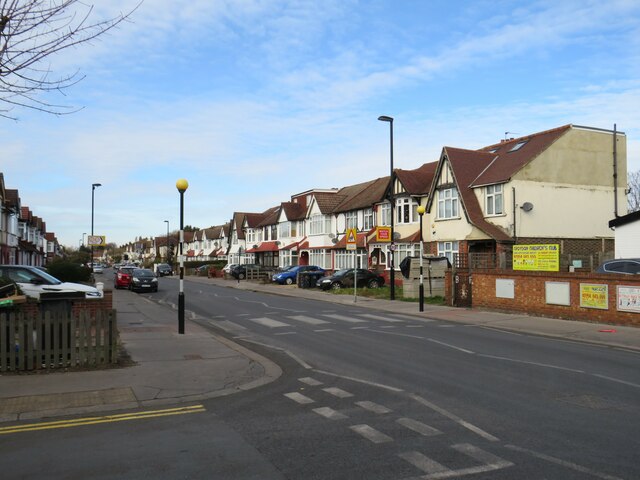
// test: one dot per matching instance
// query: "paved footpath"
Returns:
(170, 368)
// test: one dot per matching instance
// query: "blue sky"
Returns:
(252, 101)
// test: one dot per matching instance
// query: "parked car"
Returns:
(164, 269)
(33, 281)
(240, 271)
(624, 266)
(122, 278)
(289, 275)
(345, 279)
(202, 269)
(98, 268)
(228, 267)
(143, 280)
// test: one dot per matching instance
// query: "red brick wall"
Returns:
(106, 303)
(529, 295)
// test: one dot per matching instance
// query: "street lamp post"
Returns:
(93, 189)
(83, 238)
(182, 186)
(392, 273)
(421, 211)
(167, 222)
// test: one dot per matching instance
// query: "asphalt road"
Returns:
(370, 395)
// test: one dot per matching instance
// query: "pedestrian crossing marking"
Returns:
(380, 317)
(310, 381)
(418, 427)
(309, 320)
(269, 322)
(338, 392)
(343, 318)
(371, 434)
(373, 407)
(330, 413)
(299, 398)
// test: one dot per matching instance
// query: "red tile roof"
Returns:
(264, 247)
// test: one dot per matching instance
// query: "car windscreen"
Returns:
(143, 273)
(49, 278)
(342, 273)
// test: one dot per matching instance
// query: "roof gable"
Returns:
(418, 181)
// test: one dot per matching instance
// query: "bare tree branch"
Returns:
(633, 199)
(30, 32)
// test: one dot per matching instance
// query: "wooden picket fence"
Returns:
(54, 340)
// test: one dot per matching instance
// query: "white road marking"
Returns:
(546, 365)
(330, 413)
(358, 328)
(388, 326)
(344, 318)
(435, 470)
(454, 417)
(424, 463)
(365, 382)
(557, 461)
(450, 346)
(338, 392)
(373, 407)
(418, 427)
(286, 333)
(616, 380)
(299, 398)
(414, 326)
(324, 330)
(371, 434)
(269, 322)
(380, 317)
(310, 381)
(309, 320)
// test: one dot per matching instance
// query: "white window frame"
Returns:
(495, 199)
(385, 215)
(367, 219)
(406, 211)
(320, 257)
(448, 203)
(346, 258)
(448, 249)
(319, 225)
(284, 230)
(351, 220)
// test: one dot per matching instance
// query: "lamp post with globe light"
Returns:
(182, 186)
(421, 211)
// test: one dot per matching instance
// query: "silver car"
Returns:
(33, 282)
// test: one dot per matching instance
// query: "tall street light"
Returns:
(421, 211)
(182, 186)
(167, 222)
(93, 189)
(392, 247)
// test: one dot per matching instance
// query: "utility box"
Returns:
(433, 271)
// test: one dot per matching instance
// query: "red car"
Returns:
(123, 277)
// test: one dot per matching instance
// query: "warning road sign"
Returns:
(352, 237)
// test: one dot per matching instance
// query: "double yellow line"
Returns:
(106, 419)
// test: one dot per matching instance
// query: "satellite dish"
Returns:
(527, 206)
(331, 235)
(396, 236)
(334, 240)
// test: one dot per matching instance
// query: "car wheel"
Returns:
(241, 276)
(288, 281)
(336, 286)
(373, 284)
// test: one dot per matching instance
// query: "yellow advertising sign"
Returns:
(537, 258)
(594, 296)
(383, 234)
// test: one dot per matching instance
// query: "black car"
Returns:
(345, 278)
(624, 266)
(143, 280)
(240, 271)
(164, 269)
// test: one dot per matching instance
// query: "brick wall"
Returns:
(529, 295)
(104, 304)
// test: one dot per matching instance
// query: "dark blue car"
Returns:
(288, 276)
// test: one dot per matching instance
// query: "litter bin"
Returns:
(304, 280)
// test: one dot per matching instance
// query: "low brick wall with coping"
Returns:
(530, 295)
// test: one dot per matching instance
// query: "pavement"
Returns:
(167, 368)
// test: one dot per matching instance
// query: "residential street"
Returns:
(364, 393)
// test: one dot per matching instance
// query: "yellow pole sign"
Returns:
(352, 238)
(97, 240)
(538, 258)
